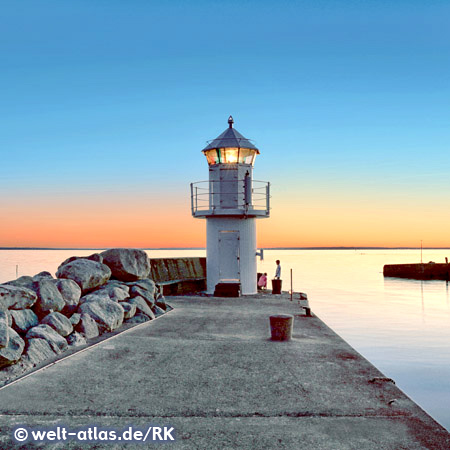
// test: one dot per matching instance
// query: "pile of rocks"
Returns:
(42, 316)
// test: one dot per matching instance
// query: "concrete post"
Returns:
(281, 327)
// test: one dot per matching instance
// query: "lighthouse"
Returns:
(231, 201)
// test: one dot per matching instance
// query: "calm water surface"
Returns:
(401, 326)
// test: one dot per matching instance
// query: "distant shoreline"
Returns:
(204, 248)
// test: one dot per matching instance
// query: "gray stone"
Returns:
(120, 284)
(158, 311)
(76, 339)
(60, 323)
(88, 274)
(94, 257)
(44, 331)
(13, 350)
(23, 320)
(43, 275)
(115, 293)
(146, 284)
(38, 350)
(87, 326)
(129, 310)
(107, 314)
(8, 315)
(94, 296)
(49, 298)
(136, 291)
(24, 281)
(138, 318)
(15, 297)
(4, 334)
(127, 264)
(71, 293)
(75, 319)
(161, 303)
(142, 306)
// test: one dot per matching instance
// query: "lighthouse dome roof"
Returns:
(230, 138)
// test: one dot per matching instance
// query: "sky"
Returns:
(105, 107)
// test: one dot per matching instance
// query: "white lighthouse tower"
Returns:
(231, 201)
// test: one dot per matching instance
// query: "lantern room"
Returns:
(230, 148)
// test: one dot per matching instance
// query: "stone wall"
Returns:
(179, 275)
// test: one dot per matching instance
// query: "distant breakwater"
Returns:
(429, 271)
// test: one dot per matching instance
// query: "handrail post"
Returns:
(268, 198)
(192, 198)
(196, 198)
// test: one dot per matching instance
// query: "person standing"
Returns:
(278, 270)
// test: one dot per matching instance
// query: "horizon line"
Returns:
(204, 248)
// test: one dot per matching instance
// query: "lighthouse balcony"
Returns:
(230, 198)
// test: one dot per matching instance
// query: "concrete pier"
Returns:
(209, 369)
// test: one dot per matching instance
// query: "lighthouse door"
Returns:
(229, 255)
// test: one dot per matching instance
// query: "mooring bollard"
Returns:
(281, 327)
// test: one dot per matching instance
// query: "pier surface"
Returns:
(209, 370)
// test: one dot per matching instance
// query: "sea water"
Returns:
(402, 326)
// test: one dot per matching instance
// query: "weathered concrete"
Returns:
(179, 275)
(210, 370)
(429, 271)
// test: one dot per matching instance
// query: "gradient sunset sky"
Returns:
(106, 105)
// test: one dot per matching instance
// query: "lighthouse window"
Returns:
(246, 156)
(212, 157)
(229, 155)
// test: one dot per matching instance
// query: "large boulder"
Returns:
(12, 352)
(146, 284)
(43, 275)
(89, 275)
(76, 339)
(107, 314)
(24, 281)
(75, 319)
(44, 331)
(142, 306)
(94, 296)
(15, 297)
(136, 291)
(38, 350)
(129, 310)
(127, 264)
(4, 334)
(94, 257)
(122, 284)
(161, 302)
(115, 292)
(23, 320)
(60, 323)
(49, 298)
(138, 318)
(158, 311)
(71, 293)
(87, 326)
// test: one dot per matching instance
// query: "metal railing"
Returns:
(244, 195)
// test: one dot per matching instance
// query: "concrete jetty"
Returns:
(209, 370)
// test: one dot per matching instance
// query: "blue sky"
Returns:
(346, 100)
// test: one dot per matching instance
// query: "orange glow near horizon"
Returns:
(123, 220)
